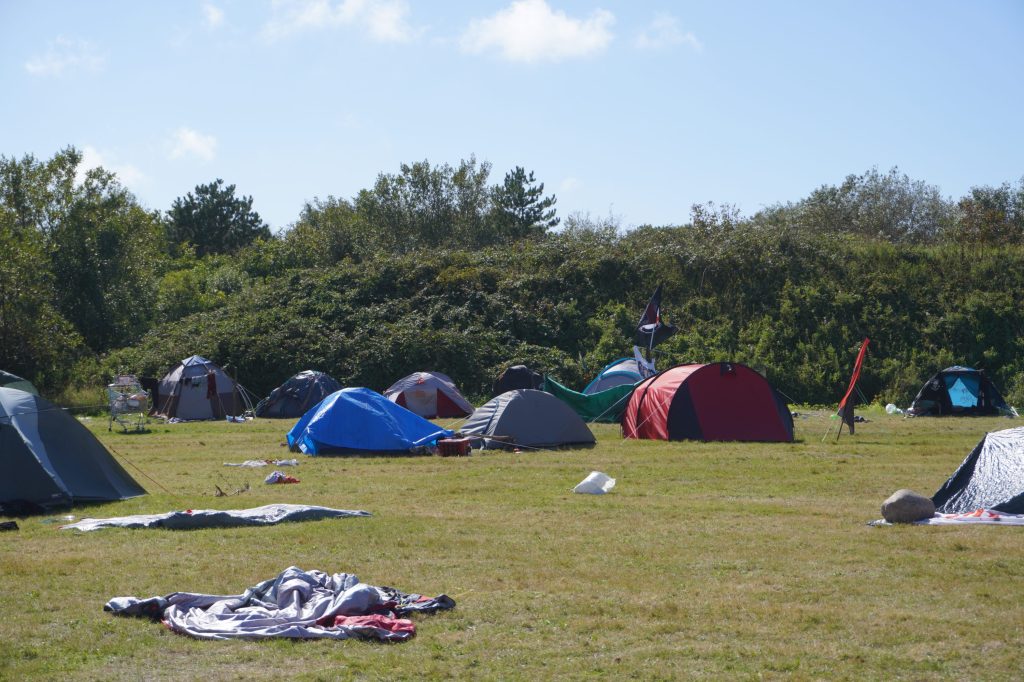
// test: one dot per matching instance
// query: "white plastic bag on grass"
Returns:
(596, 483)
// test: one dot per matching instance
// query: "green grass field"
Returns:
(708, 560)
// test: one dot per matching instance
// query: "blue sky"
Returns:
(634, 109)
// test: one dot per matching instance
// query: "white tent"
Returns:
(430, 395)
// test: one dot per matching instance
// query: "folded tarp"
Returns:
(296, 604)
(975, 517)
(605, 406)
(191, 519)
(978, 516)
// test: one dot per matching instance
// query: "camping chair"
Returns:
(128, 403)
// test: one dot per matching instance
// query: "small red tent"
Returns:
(720, 401)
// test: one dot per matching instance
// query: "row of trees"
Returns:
(87, 269)
(435, 267)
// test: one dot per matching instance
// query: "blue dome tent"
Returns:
(617, 373)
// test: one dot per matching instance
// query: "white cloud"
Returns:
(530, 31)
(569, 185)
(186, 143)
(384, 20)
(213, 16)
(64, 55)
(664, 32)
(129, 175)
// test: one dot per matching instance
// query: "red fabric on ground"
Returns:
(396, 625)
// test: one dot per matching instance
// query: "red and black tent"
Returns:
(720, 401)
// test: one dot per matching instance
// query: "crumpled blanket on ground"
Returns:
(979, 516)
(252, 463)
(190, 519)
(280, 477)
(296, 604)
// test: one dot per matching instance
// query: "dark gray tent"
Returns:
(50, 459)
(14, 381)
(529, 418)
(516, 377)
(293, 398)
(958, 391)
(991, 477)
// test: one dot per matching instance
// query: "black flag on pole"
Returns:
(651, 329)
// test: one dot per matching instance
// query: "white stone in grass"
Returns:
(906, 506)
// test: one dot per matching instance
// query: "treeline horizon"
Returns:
(438, 267)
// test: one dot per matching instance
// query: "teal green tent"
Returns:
(604, 406)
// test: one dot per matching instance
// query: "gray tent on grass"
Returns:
(9, 380)
(991, 477)
(49, 459)
(529, 418)
(198, 389)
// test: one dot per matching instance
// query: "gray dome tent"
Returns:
(198, 389)
(529, 418)
(991, 477)
(50, 459)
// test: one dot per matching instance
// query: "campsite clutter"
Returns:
(296, 604)
(128, 403)
(255, 463)
(58, 462)
(279, 477)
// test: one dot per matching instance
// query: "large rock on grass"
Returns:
(906, 506)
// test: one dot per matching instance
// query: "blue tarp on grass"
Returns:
(361, 420)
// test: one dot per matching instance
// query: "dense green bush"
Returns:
(567, 305)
